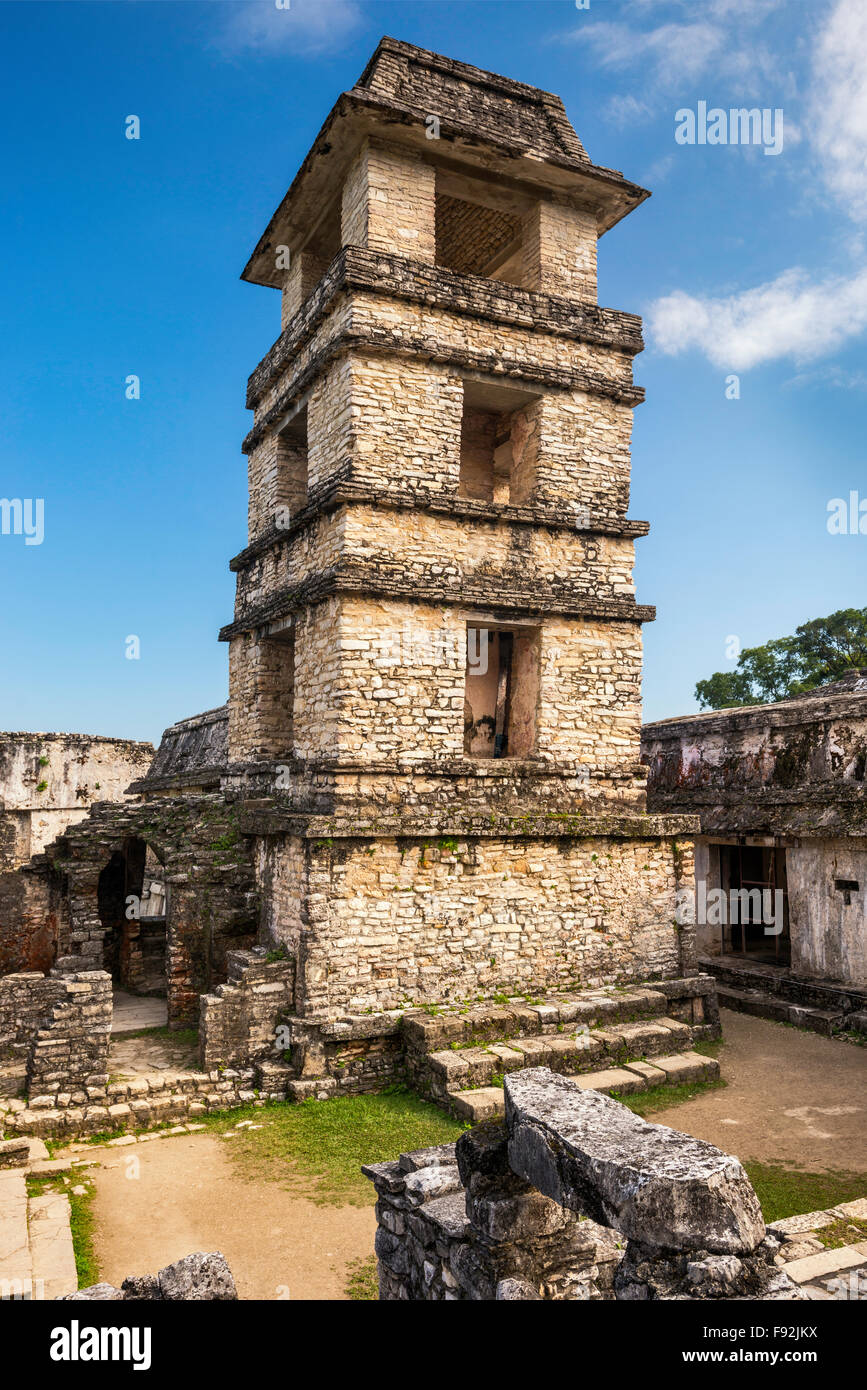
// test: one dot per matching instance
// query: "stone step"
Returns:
(458, 1069)
(782, 984)
(487, 1103)
(497, 1022)
(51, 1249)
(16, 1267)
(761, 1005)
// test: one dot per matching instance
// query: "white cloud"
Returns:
(838, 105)
(669, 53)
(720, 45)
(832, 375)
(627, 110)
(306, 27)
(787, 317)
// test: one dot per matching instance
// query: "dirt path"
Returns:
(791, 1097)
(187, 1196)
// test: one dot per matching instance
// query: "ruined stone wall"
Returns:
(573, 1198)
(49, 781)
(54, 1032)
(797, 767)
(31, 910)
(240, 1022)
(392, 921)
(829, 934)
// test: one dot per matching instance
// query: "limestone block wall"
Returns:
(389, 922)
(559, 250)
(304, 273)
(239, 1022)
(385, 679)
(414, 548)
(57, 1027)
(389, 202)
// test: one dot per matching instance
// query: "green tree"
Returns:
(820, 651)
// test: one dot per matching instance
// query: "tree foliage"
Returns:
(820, 651)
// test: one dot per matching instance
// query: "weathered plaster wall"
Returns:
(829, 938)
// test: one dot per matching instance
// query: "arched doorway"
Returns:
(132, 906)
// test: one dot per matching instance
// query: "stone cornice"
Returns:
(344, 493)
(469, 296)
(357, 578)
(265, 816)
(381, 342)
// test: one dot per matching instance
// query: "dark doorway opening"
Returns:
(752, 872)
(131, 901)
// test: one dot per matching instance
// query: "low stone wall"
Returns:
(54, 1031)
(239, 1022)
(574, 1197)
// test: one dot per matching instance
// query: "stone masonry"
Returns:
(573, 1197)
(425, 791)
(780, 793)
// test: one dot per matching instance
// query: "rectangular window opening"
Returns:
(290, 482)
(499, 444)
(501, 692)
(473, 239)
(277, 692)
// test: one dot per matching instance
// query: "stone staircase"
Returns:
(621, 1040)
(37, 1259)
(773, 992)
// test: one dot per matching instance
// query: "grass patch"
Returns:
(709, 1047)
(326, 1141)
(362, 1282)
(791, 1192)
(661, 1097)
(184, 1037)
(847, 1231)
(81, 1220)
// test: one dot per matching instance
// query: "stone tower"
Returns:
(435, 659)
(421, 821)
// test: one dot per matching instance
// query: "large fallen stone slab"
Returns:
(653, 1184)
(195, 1278)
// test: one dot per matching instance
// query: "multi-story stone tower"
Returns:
(435, 659)
(430, 792)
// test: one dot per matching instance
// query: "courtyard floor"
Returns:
(792, 1098)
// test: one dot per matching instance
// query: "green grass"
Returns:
(186, 1037)
(326, 1141)
(846, 1231)
(791, 1192)
(362, 1282)
(661, 1097)
(82, 1222)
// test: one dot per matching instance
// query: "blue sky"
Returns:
(122, 257)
